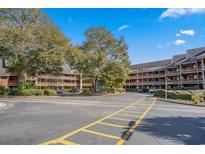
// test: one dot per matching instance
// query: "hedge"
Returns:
(173, 95)
(49, 92)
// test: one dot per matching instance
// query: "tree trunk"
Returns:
(21, 79)
(94, 85)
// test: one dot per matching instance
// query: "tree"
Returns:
(106, 57)
(31, 43)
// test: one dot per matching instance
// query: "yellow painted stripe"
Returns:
(92, 124)
(50, 142)
(126, 111)
(114, 125)
(67, 142)
(120, 119)
(129, 115)
(101, 134)
(132, 128)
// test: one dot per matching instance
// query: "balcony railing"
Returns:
(12, 83)
(191, 70)
(60, 77)
(173, 73)
(53, 84)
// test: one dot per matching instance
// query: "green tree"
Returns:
(31, 43)
(106, 59)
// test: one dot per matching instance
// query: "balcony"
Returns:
(172, 73)
(60, 77)
(173, 82)
(12, 83)
(190, 70)
(31, 78)
(132, 77)
(191, 81)
(55, 84)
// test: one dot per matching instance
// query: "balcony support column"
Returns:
(202, 64)
(180, 75)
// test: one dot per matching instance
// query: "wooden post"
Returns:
(202, 65)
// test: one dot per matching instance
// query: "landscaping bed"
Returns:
(189, 96)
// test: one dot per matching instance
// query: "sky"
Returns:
(151, 34)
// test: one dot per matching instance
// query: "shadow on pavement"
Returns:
(188, 130)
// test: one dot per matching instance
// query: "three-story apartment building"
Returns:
(185, 70)
(66, 79)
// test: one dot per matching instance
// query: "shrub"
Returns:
(13, 92)
(159, 93)
(49, 92)
(111, 90)
(120, 90)
(173, 95)
(27, 85)
(198, 98)
(2, 90)
(32, 92)
(87, 91)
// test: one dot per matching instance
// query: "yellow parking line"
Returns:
(119, 119)
(92, 124)
(114, 125)
(101, 134)
(50, 142)
(127, 111)
(67, 142)
(132, 128)
(129, 115)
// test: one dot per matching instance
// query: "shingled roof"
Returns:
(176, 59)
(161, 63)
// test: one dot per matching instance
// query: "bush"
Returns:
(27, 85)
(2, 90)
(120, 90)
(197, 98)
(87, 91)
(32, 92)
(49, 92)
(13, 92)
(173, 95)
(112, 90)
(159, 93)
(184, 88)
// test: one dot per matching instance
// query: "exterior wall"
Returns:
(4, 81)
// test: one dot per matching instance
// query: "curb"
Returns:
(177, 102)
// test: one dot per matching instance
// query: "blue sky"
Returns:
(151, 34)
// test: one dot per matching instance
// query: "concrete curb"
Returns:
(63, 96)
(178, 102)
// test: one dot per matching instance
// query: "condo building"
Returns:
(184, 70)
(66, 79)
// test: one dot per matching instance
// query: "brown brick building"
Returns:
(185, 70)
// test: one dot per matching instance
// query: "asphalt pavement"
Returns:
(119, 119)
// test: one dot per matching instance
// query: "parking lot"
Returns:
(130, 118)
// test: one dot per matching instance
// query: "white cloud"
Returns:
(190, 32)
(178, 35)
(176, 13)
(123, 27)
(179, 42)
